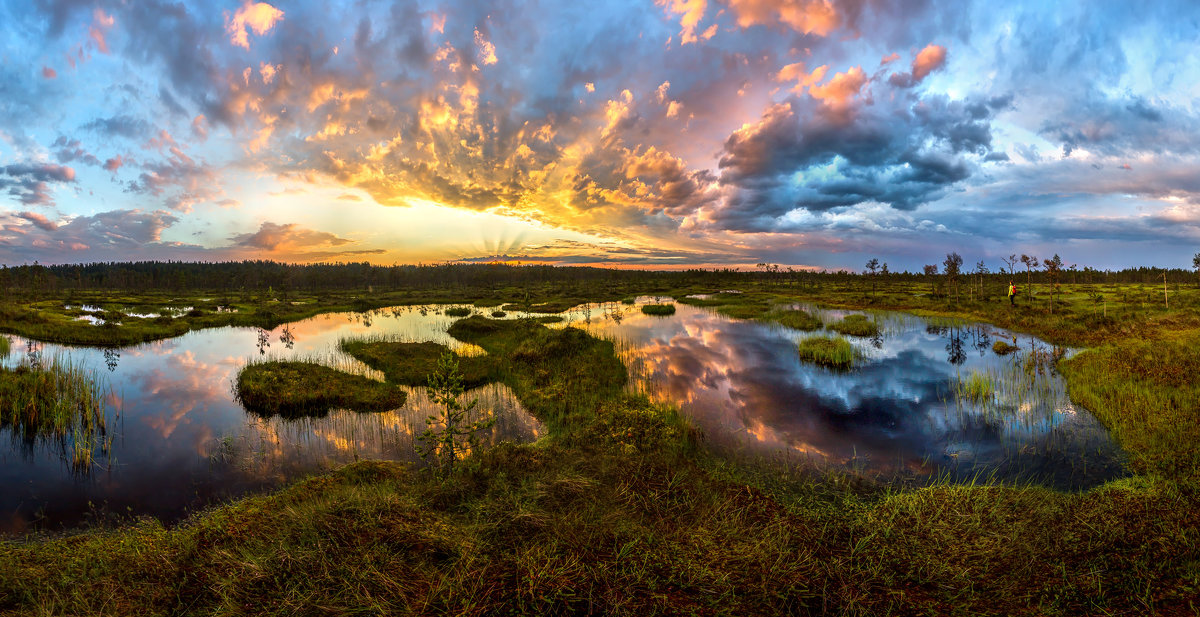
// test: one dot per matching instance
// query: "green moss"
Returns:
(658, 309)
(294, 389)
(855, 325)
(827, 351)
(458, 311)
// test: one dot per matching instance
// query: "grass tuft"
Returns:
(827, 351)
(458, 311)
(855, 325)
(658, 309)
(1002, 348)
(796, 319)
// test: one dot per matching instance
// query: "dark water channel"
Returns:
(182, 441)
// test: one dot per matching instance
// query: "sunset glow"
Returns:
(654, 134)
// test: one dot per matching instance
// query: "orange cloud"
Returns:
(807, 16)
(487, 51)
(927, 61)
(259, 17)
(692, 12)
(889, 59)
(49, 73)
(839, 91)
(797, 72)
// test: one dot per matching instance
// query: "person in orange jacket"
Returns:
(1012, 294)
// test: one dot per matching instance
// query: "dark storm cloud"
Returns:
(903, 154)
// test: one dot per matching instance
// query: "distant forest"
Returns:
(36, 279)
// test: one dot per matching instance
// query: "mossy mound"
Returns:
(411, 364)
(297, 389)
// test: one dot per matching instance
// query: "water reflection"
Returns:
(896, 415)
(183, 441)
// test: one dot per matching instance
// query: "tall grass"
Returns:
(56, 400)
(4, 346)
(977, 387)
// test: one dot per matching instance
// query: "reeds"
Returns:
(56, 400)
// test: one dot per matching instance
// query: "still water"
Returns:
(182, 441)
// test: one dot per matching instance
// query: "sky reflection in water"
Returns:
(184, 442)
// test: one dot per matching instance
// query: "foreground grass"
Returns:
(827, 351)
(295, 389)
(621, 511)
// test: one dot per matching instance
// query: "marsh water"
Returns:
(181, 441)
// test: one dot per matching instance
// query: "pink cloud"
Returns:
(839, 91)
(49, 73)
(114, 163)
(258, 17)
(889, 59)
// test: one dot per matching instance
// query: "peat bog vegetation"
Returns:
(621, 508)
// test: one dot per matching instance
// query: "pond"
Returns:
(182, 441)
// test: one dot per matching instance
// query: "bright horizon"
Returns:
(660, 135)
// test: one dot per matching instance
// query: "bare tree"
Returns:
(1011, 262)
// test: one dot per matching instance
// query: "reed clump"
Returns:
(56, 399)
(834, 352)
(458, 311)
(977, 387)
(855, 325)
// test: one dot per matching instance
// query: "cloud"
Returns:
(116, 234)
(126, 126)
(30, 183)
(49, 73)
(182, 180)
(38, 220)
(928, 60)
(286, 237)
(71, 150)
(258, 17)
(818, 17)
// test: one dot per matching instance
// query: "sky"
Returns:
(648, 134)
